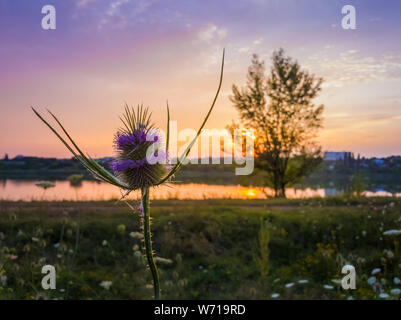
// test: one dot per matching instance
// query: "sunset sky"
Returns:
(107, 52)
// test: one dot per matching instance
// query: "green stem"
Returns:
(148, 242)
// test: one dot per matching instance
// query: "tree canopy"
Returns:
(279, 108)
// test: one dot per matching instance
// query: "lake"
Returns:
(93, 190)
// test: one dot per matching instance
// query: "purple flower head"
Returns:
(140, 136)
(125, 139)
(132, 144)
(120, 166)
(133, 139)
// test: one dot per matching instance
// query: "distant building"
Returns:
(105, 160)
(338, 156)
(379, 162)
(344, 157)
(329, 192)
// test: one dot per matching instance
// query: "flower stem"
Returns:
(148, 242)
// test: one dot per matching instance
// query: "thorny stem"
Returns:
(148, 242)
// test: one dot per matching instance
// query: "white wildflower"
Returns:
(163, 260)
(106, 284)
(392, 232)
(389, 254)
(136, 235)
(376, 270)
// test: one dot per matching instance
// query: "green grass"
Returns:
(211, 243)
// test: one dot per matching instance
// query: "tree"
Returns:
(279, 109)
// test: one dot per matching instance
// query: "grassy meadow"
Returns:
(209, 249)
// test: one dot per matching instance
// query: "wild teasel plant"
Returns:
(131, 169)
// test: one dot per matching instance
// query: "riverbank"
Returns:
(209, 249)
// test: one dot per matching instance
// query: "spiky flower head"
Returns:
(133, 143)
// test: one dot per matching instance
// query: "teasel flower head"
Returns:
(133, 144)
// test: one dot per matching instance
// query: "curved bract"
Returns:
(91, 165)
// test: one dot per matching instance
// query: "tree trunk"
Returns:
(279, 188)
(280, 192)
(276, 186)
(283, 191)
(279, 185)
(276, 192)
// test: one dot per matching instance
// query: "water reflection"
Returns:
(93, 190)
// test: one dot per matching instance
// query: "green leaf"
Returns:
(91, 165)
(188, 149)
(168, 129)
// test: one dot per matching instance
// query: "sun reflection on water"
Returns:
(251, 192)
(91, 190)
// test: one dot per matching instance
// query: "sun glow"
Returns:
(251, 192)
